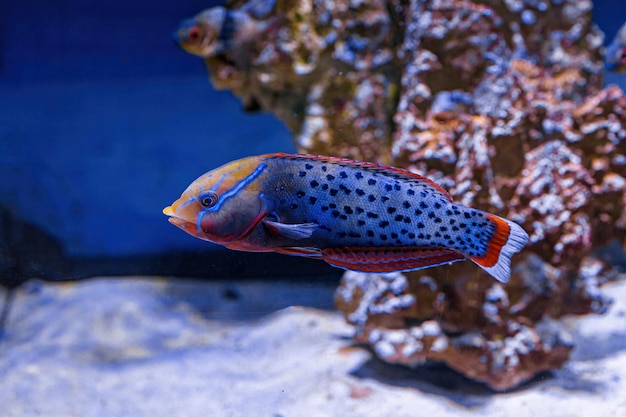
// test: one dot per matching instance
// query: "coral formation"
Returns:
(498, 101)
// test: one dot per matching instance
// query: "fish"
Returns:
(221, 31)
(615, 54)
(354, 215)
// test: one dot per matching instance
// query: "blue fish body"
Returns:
(354, 215)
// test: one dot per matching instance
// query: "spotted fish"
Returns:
(353, 215)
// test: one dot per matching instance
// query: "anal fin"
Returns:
(300, 251)
(389, 259)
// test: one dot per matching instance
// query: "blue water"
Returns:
(104, 121)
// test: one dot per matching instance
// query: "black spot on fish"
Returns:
(341, 235)
(333, 191)
(345, 189)
(462, 225)
(359, 210)
(324, 208)
(330, 177)
(410, 191)
(404, 231)
(399, 217)
(354, 235)
(418, 212)
(312, 200)
(343, 174)
(370, 233)
(324, 169)
(371, 198)
(437, 205)
(335, 213)
(467, 215)
(455, 229)
(343, 217)
(359, 192)
(383, 224)
(411, 235)
(423, 205)
(438, 220)
(391, 210)
(361, 222)
(348, 210)
(388, 187)
(308, 166)
(452, 221)
(443, 228)
(449, 212)
(300, 193)
(447, 236)
(332, 205)
(324, 187)
(406, 204)
(394, 235)
(302, 173)
(383, 237)
(407, 220)
(372, 215)
(437, 234)
(371, 181)
(384, 199)
(451, 242)
(358, 175)
(397, 187)
(421, 225)
(431, 215)
(314, 183)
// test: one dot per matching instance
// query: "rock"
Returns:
(501, 103)
(27, 251)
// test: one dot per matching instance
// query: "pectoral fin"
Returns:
(292, 231)
(364, 259)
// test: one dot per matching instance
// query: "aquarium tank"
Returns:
(313, 208)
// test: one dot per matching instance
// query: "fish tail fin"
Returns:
(508, 239)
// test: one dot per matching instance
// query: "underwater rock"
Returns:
(27, 251)
(497, 335)
(501, 103)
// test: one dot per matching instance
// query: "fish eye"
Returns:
(194, 34)
(208, 200)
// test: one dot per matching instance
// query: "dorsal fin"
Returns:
(366, 166)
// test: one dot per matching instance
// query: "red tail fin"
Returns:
(508, 239)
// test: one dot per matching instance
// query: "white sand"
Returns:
(138, 347)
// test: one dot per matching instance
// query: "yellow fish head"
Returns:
(223, 205)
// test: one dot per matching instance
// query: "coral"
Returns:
(500, 102)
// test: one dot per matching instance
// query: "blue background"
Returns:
(104, 121)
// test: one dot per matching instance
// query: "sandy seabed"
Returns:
(155, 347)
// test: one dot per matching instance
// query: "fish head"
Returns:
(223, 205)
(615, 58)
(199, 35)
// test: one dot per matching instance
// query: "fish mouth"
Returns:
(175, 218)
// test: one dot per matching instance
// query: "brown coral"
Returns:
(500, 102)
